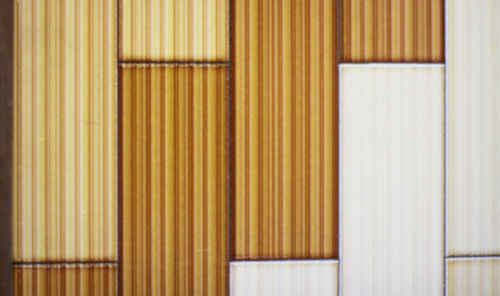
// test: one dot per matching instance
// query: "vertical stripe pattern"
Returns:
(65, 160)
(292, 278)
(473, 60)
(166, 30)
(392, 180)
(474, 277)
(392, 31)
(65, 280)
(285, 129)
(175, 214)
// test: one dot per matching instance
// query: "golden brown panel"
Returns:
(174, 180)
(64, 188)
(392, 31)
(65, 280)
(285, 129)
(166, 30)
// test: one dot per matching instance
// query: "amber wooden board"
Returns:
(473, 276)
(174, 30)
(285, 129)
(473, 60)
(392, 31)
(65, 117)
(174, 158)
(65, 280)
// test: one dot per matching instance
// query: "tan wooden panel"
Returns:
(395, 31)
(65, 280)
(285, 129)
(473, 60)
(174, 145)
(276, 278)
(65, 160)
(166, 30)
(392, 179)
(474, 276)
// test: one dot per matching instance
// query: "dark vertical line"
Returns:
(119, 150)
(247, 128)
(402, 33)
(230, 178)
(149, 183)
(388, 31)
(260, 131)
(307, 123)
(191, 134)
(132, 194)
(280, 129)
(321, 128)
(163, 231)
(206, 250)
(90, 125)
(362, 36)
(292, 134)
(175, 75)
(61, 139)
(46, 131)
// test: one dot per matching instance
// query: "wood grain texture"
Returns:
(168, 30)
(473, 276)
(174, 159)
(293, 278)
(473, 170)
(392, 179)
(65, 160)
(392, 31)
(65, 280)
(285, 129)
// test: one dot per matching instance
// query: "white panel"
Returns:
(473, 80)
(474, 276)
(392, 174)
(275, 278)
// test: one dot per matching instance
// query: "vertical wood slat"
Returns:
(392, 236)
(285, 110)
(175, 215)
(294, 278)
(473, 276)
(174, 30)
(65, 280)
(473, 60)
(64, 187)
(392, 31)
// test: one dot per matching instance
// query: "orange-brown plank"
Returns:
(175, 238)
(392, 31)
(285, 129)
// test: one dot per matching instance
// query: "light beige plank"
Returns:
(473, 71)
(65, 117)
(474, 277)
(275, 278)
(392, 179)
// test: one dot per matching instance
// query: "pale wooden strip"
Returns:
(473, 57)
(168, 30)
(175, 214)
(285, 110)
(473, 276)
(65, 280)
(392, 179)
(293, 278)
(65, 160)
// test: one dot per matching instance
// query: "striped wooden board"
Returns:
(285, 148)
(174, 149)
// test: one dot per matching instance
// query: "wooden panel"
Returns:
(285, 85)
(392, 179)
(65, 280)
(473, 276)
(294, 278)
(64, 188)
(395, 31)
(473, 58)
(165, 30)
(174, 145)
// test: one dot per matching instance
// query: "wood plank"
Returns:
(65, 160)
(65, 280)
(173, 30)
(392, 179)
(392, 31)
(294, 278)
(285, 127)
(473, 128)
(473, 276)
(174, 160)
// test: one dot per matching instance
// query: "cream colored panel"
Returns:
(275, 278)
(474, 276)
(391, 179)
(473, 60)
